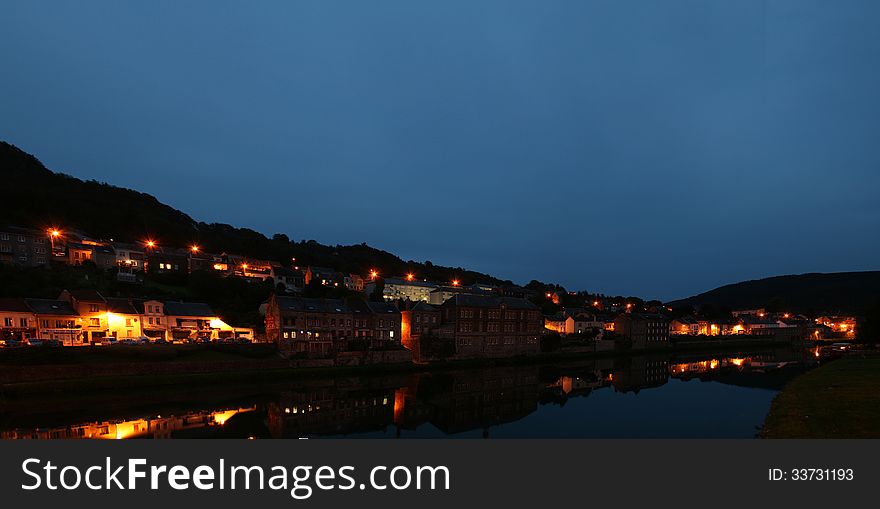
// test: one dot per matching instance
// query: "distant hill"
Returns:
(38, 198)
(850, 292)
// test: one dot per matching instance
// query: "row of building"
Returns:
(464, 326)
(85, 317)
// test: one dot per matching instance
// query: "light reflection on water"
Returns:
(681, 395)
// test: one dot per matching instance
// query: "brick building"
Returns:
(488, 326)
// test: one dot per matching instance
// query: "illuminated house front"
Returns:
(123, 319)
(192, 321)
(844, 326)
(153, 321)
(57, 320)
(17, 320)
(92, 308)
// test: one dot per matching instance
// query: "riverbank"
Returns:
(190, 367)
(838, 400)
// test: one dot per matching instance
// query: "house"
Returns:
(167, 261)
(642, 330)
(417, 322)
(79, 253)
(104, 256)
(24, 246)
(322, 275)
(17, 320)
(841, 326)
(385, 325)
(312, 327)
(92, 308)
(58, 320)
(130, 256)
(192, 321)
(575, 321)
(353, 282)
(154, 323)
(123, 319)
(403, 289)
(490, 326)
(443, 293)
(684, 326)
(291, 279)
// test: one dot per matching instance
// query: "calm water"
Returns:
(651, 396)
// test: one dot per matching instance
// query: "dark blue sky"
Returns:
(639, 147)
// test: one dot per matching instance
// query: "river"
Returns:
(657, 396)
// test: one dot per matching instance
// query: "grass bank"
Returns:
(838, 400)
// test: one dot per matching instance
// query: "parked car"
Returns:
(35, 342)
(54, 343)
(12, 343)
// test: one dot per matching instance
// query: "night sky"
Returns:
(627, 147)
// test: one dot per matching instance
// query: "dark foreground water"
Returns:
(679, 395)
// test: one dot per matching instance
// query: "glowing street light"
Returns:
(53, 234)
(373, 274)
(150, 244)
(410, 276)
(194, 248)
(244, 266)
(455, 282)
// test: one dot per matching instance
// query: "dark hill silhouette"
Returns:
(846, 292)
(43, 198)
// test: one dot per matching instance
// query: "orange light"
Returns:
(244, 266)
(373, 273)
(595, 303)
(53, 232)
(194, 248)
(548, 295)
(410, 276)
(455, 282)
(151, 243)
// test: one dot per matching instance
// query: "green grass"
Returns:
(838, 400)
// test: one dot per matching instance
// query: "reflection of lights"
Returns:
(737, 362)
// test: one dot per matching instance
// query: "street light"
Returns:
(150, 244)
(373, 274)
(53, 234)
(194, 248)
(455, 282)
(410, 276)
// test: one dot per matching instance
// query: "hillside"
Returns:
(43, 198)
(850, 292)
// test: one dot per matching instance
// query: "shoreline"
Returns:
(837, 400)
(243, 373)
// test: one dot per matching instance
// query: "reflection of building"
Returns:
(640, 372)
(330, 410)
(461, 401)
(147, 427)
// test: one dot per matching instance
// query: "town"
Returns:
(368, 318)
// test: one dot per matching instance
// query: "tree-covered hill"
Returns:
(846, 292)
(40, 198)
